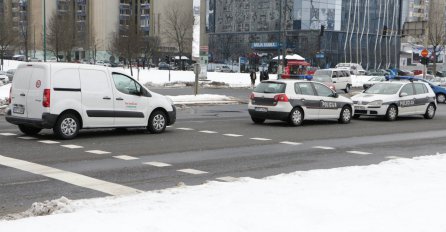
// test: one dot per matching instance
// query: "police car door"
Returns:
(421, 97)
(407, 100)
(307, 99)
(329, 107)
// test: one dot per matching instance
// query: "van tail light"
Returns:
(46, 98)
(281, 98)
(10, 95)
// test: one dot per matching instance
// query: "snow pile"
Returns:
(399, 195)
(61, 205)
(202, 99)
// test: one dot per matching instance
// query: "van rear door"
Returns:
(19, 91)
(34, 101)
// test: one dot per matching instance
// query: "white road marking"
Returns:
(168, 126)
(26, 138)
(25, 182)
(99, 152)
(48, 141)
(7, 134)
(261, 139)
(290, 143)
(185, 129)
(324, 148)
(233, 135)
(125, 157)
(157, 164)
(359, 152)
(68, 177)
(208, 132)
(192, 171)
(72, 146)
(227, 178)
(395, 157)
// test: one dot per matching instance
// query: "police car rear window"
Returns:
(270, 87)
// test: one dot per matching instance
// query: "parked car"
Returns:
(391, 99)
(3, 77)
(163, 66)
(326, 80)
(68, 97)
(223, 68)
(294, 101)
(10, 74)
(353, 68)
(339, 77)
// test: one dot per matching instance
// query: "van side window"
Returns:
(125, 84)
(335, 74)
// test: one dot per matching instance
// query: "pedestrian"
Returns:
(253, 78)
(266, 75)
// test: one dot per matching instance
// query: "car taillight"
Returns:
(281, 98)
(10, 97)
(46, 98)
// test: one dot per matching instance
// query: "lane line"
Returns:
(24, 182)
(72, 146)
(98, 152)
(290, 143)
(359, 152)
(227, 178)
(395, 157)
(68, 177)
(125, 157)
(232, 135)
(185, 129)
(192, 171)
(208, 132)
(48, 141)
(260, 139)
(8, 134)
(324, 148)
(157, 164)
(26, 138)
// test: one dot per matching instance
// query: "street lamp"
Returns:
(44, 30)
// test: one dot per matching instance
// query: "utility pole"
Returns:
(44, 30)
(280, 39)
(284, 43)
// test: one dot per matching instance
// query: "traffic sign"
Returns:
(424, 53)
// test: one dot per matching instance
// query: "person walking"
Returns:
(253, 78)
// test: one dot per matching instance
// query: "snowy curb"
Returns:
(204, 99)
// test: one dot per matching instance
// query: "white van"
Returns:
(339, 78)
(354, 68)
(69, 97)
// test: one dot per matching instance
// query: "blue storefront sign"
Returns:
(268, 45)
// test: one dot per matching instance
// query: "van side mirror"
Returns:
(404, 94)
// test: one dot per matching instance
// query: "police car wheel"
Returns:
(258, 120)
(347, 89)
(441, 98)
(392, 113)
(296, 117)
(430, 112)
(346, 115)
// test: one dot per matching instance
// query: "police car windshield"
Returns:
(270, 87)
(322, 78)
(322, 73)
(384, 88)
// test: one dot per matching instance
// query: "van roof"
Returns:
(60, 65)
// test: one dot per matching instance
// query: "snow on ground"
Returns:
(398, 195)
(4, 91)
(202, 99)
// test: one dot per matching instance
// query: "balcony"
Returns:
(145, 6)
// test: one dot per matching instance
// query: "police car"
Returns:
(396, 98)
(297, 100)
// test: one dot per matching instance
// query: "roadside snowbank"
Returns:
(398, 195)
(202, 99)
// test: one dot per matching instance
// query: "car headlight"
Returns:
(376, 103)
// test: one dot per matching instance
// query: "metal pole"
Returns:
(284, 37)
(280, 38)
(44, 30)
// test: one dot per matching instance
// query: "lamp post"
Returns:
(44, 30)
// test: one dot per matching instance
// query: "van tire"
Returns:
(157, 122)
(67, 126)
(29, 130)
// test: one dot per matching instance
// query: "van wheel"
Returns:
(29, 130)
(347, 89)
(258, 120)
(296, 117)
(430, 112)
(67, 126)
(392, 113)
(346, 115)
(157, 122)
(441, 98)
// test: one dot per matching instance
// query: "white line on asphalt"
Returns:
(261, 139)
(208, 132)
(324, 148)
(233, 135)
(48, 141)
(72, 146)
(68, 177)
(192, 171)
(359, 152)
(99, 152)
(7, 134)
(125, 157)
(168, 126)
(395, 157)
(157, 164)
(290, 143)
(185, 129)
(25, 182)
(227, 178)
(26, 138)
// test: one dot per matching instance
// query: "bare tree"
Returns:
(178, 27)
(93, 46)
(128, 43)
(436, 30)
(24, 37)
(61, 35)
(151, 46)
(7, 37)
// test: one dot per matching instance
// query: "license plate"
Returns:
(18, 109)
(359, 107)
(261, 109)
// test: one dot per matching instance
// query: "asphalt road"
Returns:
(206, 143)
